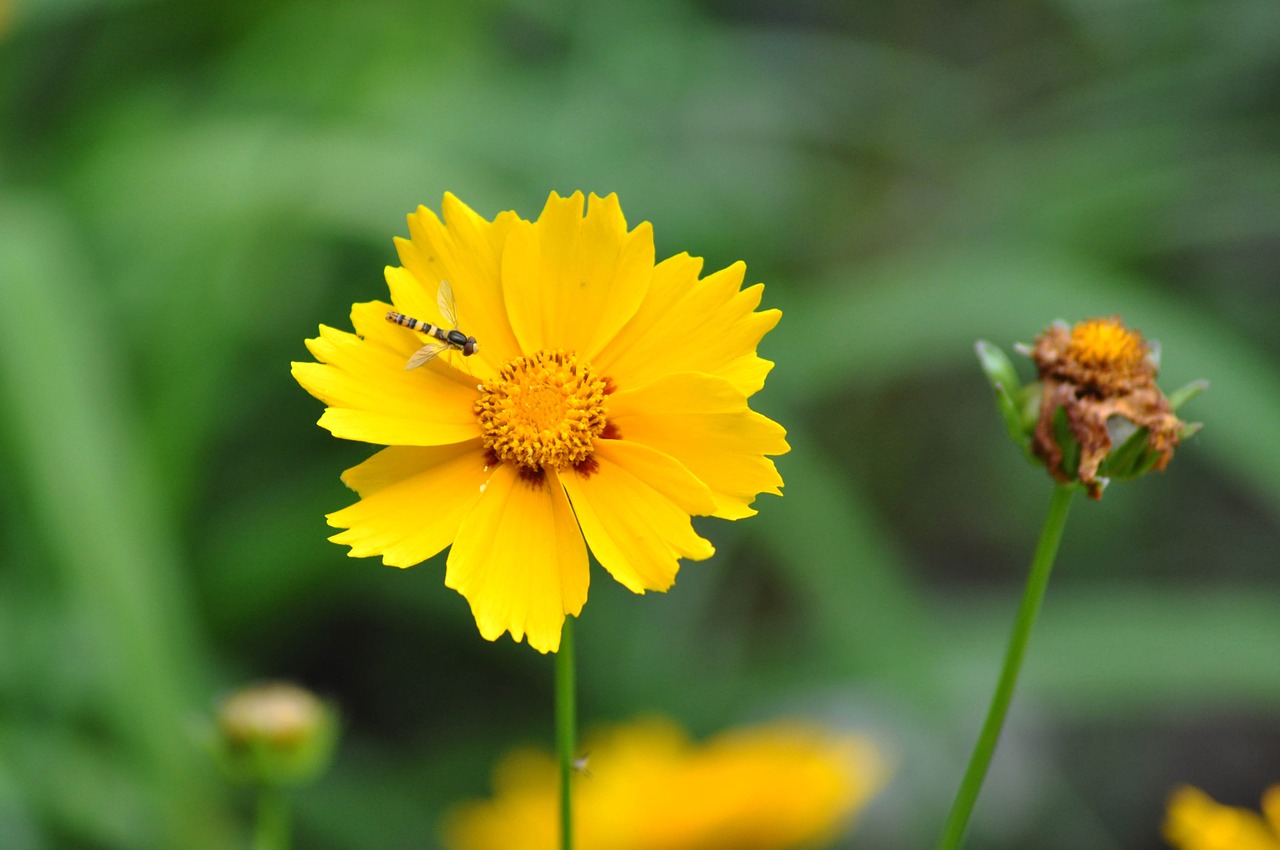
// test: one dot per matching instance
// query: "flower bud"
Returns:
(1095, 414)
(275, 734)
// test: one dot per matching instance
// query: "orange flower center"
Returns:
(542, 411)
(1106, 344)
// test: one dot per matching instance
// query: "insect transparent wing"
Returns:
(448, 309)
(425, 354)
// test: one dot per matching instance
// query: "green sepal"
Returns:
(1131, 459)
(997, 366)
(1135, 458)
(1008, 390)
(1182, 395)
(1029, 400)
(1065, 441)
(1149, 460)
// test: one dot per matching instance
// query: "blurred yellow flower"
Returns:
(606, 399)
(1196, 822)
(647, 787)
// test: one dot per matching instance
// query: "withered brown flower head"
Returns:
(1094, 372)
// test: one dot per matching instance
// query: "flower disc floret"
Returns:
(1100, 356)
(542, 412)
(1106, 344)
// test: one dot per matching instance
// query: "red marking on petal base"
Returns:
(491, 459)
(533, 477)
(609, 385)
(610, 432)
(587, 468)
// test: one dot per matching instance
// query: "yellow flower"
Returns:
(1196, 822)
(606, 399)
(646, 787)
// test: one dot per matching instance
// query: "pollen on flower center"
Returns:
(543, 411)
(1106, 344)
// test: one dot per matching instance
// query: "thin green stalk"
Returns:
(1037, 580)
(566, 729)
(271, 832)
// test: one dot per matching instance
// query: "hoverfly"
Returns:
(452, 338)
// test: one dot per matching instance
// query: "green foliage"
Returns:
(190, 188)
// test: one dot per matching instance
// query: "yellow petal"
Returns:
(572, 281)
(519, 559)
(691, 325)
(412, 500)
(1271, 809)
(1196, 822)
(372, 397)
(704, 422)
(465, 250)
(665, 474)
(634, 511)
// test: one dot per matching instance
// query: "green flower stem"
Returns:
(271, 832)
(566, 729)
(1037, 581)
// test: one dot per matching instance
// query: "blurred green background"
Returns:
(189, 189)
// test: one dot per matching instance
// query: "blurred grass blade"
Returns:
(870, 616)
(76, 448)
